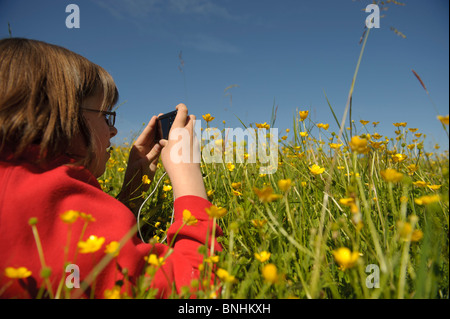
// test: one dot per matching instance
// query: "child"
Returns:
(55, 128)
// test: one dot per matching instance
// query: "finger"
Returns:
(147, 136)
(154, 153)
(182, 114)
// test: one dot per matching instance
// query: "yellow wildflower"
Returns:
(154, 260)
(208, 118)
(146, 180)
(263, 256)
(434, 187)
(212, 259)
(266, 195)
(91, 245)
(391, 175)
(303, 134)
(70, 216)
(216, 212)
(324, 126)
(230, 167)
(224, 275)
(262, 125)
(87, 217)
(236, 193)
(405, 230)
(284, 184)
(376, 136)
(350, 202)
(427, 199)
(113, 293)
(258, 223)
(316, 169)
(17, 273)
(345, 258)
(188, 218)
(237, 185)
(364, 122)
(303, 115)
(270, 273)
(167, 188)
(359, 145)
(398, 158)
(443, 119)
(400, 124)
(412, 130)
(335, 146)
(112, 248)
(420, 184)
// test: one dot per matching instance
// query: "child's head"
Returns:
(44, 91)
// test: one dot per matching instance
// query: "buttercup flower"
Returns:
(335, 146)
(324, 126)
(155, 261)
(266, 195)
(146, 180)
(70, 216)
(262, 125)
(262, 256)
(224, 275)
(434, 187)
(188, 218)
(303, 115)
(91, 245)
(284, 184)
(167, 188)
(316, 169)
(345, 258)
(443, 119)
(270, 273)
(427, 199)
(420, 184)
(359, 145)
(405, 230)
(391, 175)
(216, 212)
(350, 202)
(403, 124)
(208, 118)
(398, 158)
(112, 248)
(17, 273)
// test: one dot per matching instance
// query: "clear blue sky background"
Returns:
(286, 52)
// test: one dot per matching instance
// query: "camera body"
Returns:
(163, 125)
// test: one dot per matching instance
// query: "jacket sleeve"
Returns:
(46, 195)
(184, 241)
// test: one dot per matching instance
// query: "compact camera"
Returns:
(163, 125)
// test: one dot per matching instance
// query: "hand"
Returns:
(143, 160)
(185, 175)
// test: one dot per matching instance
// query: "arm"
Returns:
(143, 160)
(186, 177)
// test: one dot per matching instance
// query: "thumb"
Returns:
(154, 153)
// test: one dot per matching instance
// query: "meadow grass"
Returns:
(351, 214)
(348, 214)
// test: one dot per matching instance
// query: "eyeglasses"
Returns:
(109, 116)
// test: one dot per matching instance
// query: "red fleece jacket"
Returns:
(28, 190)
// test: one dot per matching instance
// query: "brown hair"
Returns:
(42, 88)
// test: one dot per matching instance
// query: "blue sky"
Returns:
(284, 52)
